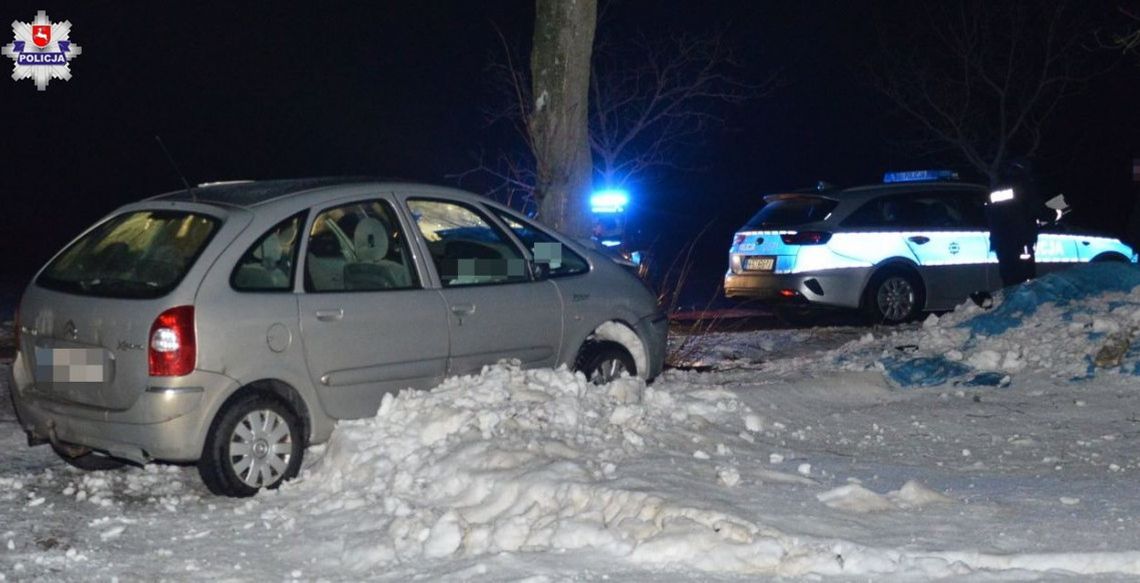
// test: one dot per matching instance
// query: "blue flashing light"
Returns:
(610, 243)
(919, 176)
(609, 201)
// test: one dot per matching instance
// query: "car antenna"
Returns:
(174, 165)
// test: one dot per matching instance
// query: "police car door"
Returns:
(949, 249)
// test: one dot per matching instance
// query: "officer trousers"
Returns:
(1016, 263)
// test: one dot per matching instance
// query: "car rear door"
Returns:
(952, 252)
(496, 310)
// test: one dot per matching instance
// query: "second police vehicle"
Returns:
(918, 242)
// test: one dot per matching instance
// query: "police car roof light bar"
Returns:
(919, 176)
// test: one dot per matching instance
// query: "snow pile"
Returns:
(515, 460)
(856, 498)
(1069, 325)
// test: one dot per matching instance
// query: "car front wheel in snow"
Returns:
(603, 362)
(255, 442)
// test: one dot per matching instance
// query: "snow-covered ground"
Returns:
(834, 454)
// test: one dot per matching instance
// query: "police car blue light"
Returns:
(919, 176)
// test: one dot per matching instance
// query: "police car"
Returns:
(918, 242)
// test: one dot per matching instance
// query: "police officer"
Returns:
(1012, 212)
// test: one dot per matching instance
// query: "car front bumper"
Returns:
(841, 288)
(164, 423)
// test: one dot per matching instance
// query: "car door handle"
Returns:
(918, 239)
(463, 309)
(330, 315)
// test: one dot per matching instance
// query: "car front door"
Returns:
(368, 325)
(496, 310)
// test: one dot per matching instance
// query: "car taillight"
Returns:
(738, 239)
(806, 238)
(172, 349)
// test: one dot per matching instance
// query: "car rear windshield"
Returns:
(792, 211)
(141, 254)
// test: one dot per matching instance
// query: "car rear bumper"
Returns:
(165, 422)
(836, 287)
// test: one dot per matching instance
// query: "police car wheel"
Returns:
(893, 297)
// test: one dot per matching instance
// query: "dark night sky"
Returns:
(283, 89)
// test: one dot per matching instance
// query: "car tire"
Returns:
(89, 461)
(604, 361)
(893, 296)
(254, 442)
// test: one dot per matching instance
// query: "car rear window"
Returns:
(141, 254)
(792, 211)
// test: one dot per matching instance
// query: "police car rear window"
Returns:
(789, 212)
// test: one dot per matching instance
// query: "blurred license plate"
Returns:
(759, 263)
(70, 365)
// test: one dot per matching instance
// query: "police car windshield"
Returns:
(791, 211)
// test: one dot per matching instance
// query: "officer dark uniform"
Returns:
(1012, 213)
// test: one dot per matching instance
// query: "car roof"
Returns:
(251, 193)
(866, 192)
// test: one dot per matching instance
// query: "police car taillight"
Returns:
(738, 239)
(806, 238)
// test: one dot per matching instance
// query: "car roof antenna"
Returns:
(174, 165)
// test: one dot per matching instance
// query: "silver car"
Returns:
(893, 250)
(233, 324)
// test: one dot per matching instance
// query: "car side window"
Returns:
(894, 212)
(545, 248)
(358, 247)
(973, 205)
(465, 247)
(268, 265)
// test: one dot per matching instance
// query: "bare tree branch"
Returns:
(984, 78)
(650, 99)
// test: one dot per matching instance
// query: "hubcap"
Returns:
(607, 371)
(260, 448)
(896, 299)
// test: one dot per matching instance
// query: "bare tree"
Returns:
(649, 100)
(1129, 40)
(557, 120)
(981, 78)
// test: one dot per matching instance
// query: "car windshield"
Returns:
(142, 254)
(789, 212)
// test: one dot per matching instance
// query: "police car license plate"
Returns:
(761, 263)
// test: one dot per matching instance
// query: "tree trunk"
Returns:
(559, 120)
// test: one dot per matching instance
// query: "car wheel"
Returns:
(603, 362)
(89, 461)
(893, 296)
(254, 442)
